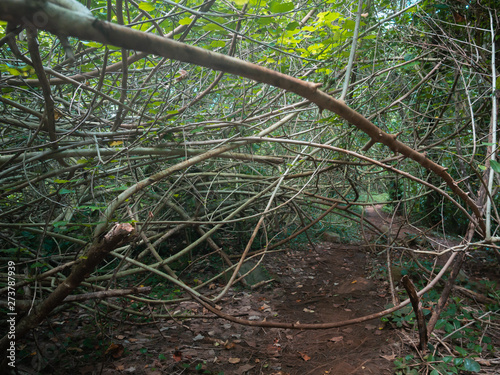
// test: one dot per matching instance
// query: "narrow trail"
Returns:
(330, 283)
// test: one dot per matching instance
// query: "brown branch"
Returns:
(417, 308)
(25, 305)
(48, 120)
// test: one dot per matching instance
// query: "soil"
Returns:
(329, 282)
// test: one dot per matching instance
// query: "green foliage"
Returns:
(468, 340)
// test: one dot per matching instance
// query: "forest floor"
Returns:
(328, 282)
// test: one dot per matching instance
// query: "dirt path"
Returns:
(327, 284)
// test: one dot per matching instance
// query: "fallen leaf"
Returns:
(308, 310)
(75, 349)
(116, 350)
(304, 356)
(369, 327)
(354, 282)
(336, 339)
(251, 343)
(120, 337)
(264, 306)
(116, 143)
(483, 362)
(177, 356)
(234, 360)
(273, 350)
(229, 345)
(391, 357)
(243, 369)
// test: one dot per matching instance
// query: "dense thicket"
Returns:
(208, 165)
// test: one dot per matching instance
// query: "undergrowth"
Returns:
(465, 338)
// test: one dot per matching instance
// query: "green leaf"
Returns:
(185, 21)
(461, 350)
(471, 365)
(349, 24)
(265, 21)
(57, 181)
(495, 165)
(147, 7)
(212, 27)
(280, 7)
(240, 3)
(92, 44)
(217, 44)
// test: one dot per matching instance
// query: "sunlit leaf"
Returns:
(147, 7)
(212, 27)
(92, 44)
(280, 7)
(217, 44)
(349, 24)
(185, 21)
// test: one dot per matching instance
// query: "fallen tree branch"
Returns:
(117, 236)
(25, 305)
